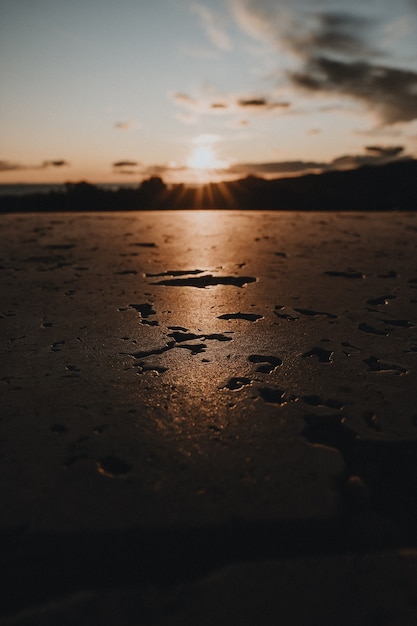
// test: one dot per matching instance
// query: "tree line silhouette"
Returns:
(369, 188)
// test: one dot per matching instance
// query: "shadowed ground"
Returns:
(209, 417)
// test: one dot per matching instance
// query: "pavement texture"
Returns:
(208, 417)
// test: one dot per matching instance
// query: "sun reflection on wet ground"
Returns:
(203, 339)
(244, 381)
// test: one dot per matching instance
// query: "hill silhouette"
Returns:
(387, 187)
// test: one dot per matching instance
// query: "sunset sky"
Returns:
(110, 91)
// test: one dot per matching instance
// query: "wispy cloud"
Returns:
(213, 25)
(58, 163)
(125, 164)
(10, 166)
(333, 53)
(229, 104)
(125, 125)
(375, 155)
(390, 92)
(259, 103)
(277, 167)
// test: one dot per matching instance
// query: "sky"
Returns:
(192, 91)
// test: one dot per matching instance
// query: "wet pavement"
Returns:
(209, 417)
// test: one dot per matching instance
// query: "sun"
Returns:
(204, 161)
(202, 158)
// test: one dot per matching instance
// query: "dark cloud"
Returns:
(8, 166)
(58, 163)
(161, 170)
(380, 155)
(338, 53)
(391, 92)
(253, 102)
(337, 59)
(279, 167)
(333, 32)
(261, 103)
(385, 151)
(125, 164)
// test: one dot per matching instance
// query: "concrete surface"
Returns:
(211, 404)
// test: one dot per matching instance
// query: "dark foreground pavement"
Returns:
(208, 418)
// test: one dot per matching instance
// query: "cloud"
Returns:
(258, 19)
(334, 53)
(125, 164)
(126, 125)
(162, 170)
(261, 103)
(335, 33)
(185, 100)
(279, 167)
(299, 26)
(379, 155)
(58, 163)
(9, 166)
(213, 26)
(390, 92)
(385, 151)
(230, 104)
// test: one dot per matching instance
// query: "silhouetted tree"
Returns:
(152, 190)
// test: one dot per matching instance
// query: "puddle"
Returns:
(329, 430)
(144, 309)
(272, 395)
(375, 365)
(237, 383)
(314, 400)
(401, 323)
(311, 313)
(207, 281)
(179, 337)
(365, 328)
(249, 317)
(113, 467)
(267, 363)
(323, 355)
(194, 348)
(284, 316)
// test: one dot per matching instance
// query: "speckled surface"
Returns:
(203, 372)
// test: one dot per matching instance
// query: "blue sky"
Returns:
(115, 92)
